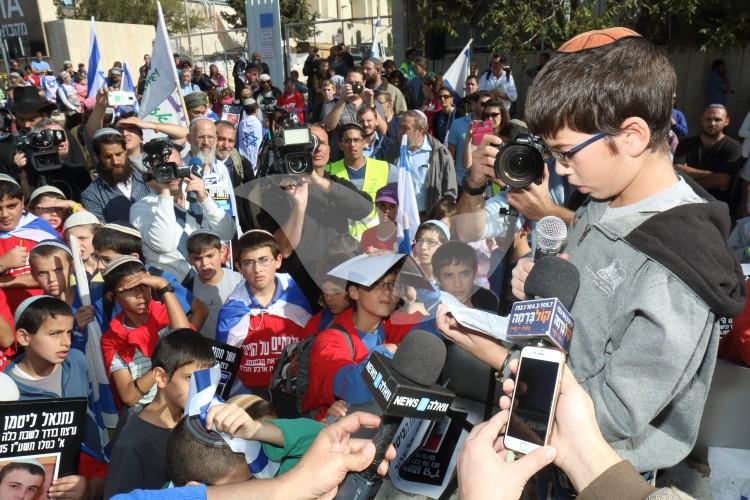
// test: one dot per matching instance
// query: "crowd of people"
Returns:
(194, 236)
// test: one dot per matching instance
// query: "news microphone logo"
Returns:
(541, 319)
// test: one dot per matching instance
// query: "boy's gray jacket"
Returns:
(654, 285)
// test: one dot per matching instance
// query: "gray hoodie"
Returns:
(656, 277)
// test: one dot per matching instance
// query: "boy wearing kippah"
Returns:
(213, 282)
(82, 225)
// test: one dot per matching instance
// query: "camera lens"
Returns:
(519, 165)
(297, 165)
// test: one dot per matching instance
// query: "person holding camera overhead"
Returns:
(168, 214)
(119, 183)
(499, 79)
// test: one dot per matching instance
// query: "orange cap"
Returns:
(596, 38)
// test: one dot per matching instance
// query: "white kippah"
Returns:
(24, 305)
(80, 218)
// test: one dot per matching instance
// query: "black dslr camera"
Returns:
(520, 162)
(41, 148)
(158, 152)
(295, 146)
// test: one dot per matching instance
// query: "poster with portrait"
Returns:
(40, 441)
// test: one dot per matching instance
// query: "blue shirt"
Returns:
(189, 89)
(419, 162)
(40, 66)
(180, 493)
(348, 383)
(457, 137)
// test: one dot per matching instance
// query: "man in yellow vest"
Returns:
(366, 174)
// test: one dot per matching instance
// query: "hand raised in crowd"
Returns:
(483, 160)
(132, 120)
(102, 100)
(298, 190)
(84, 316)
(195, 184)
(337, 409)
(482, 346)
(20, 160)
(347, 93)
(482, 465)
(68, 488)
(142, 279)
(368, 97)
(533, 201)
(55, 203)
(233, 420)
(14, 258)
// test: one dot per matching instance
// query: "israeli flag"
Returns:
(201, 397)
(128, 86)
(455, 77)
(96, 77)
(377, 50)
(407, 218)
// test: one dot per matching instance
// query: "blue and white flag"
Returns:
(407, 216)
(50, 86)
(33, 228)
(161, 80)
(377, 50)
(128, 86)
(201, 397)
(96, 76)
(455, 77)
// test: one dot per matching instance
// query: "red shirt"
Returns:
(735, 346)
(16, 295)
(370, 240)
(291, 103)
(8, 352)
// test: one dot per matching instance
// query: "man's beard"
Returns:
(207, 157)
(118, 175)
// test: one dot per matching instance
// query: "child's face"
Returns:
(428, 241)
(207, 263)
(11, 210)
(259, 267)
(379, 300)
(134, 300)
(52, 214)
(20, 484)
(386, 211)
(176, 390)
(52, 273)
(458, 280)
(85, 235)
(106, 256)
(52, 340)
(594, 169)
(334, 297)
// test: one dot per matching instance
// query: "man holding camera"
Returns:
(373, 69)
(307, 211)
(168, 214)
(119, 184)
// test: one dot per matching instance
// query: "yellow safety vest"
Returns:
(376, 176)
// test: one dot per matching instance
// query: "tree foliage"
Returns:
(136, 12)
(510, 25)
(292, 11)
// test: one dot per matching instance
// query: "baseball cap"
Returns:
(388, 194)
(265, 77)
(596, 38)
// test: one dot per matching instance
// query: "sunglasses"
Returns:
(445, 96)
(490, 115)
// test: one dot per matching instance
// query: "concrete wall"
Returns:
(69, 39)
(692, 67)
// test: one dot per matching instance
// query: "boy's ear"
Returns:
(352, 293)
(23, 336)
(161, 377)
(636, 135)
(279, 258)
(224, 252)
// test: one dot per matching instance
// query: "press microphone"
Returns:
(195, 165)
(553, 282)
(551, 235)
(403, 387)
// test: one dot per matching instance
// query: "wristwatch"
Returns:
(166, 289)
(472, 191)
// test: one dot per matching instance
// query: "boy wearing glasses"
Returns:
(656, 276)
(265, 313)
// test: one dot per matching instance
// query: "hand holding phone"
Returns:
(120, 98)
(479, 130)
(532, 409)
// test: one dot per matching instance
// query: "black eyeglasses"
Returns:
(564, 156)
(486, 116)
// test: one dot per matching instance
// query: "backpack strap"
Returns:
(340, 328)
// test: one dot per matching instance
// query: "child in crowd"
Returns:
(19, 232)
(50, 204)
(139, 456)
(82, 225)
(430, 235)
(129, 342)
(455, 267)
(382, 238)
(49, 368)
(336, 363)
(263, 314)
(334, 299)
(213, 283)
(116, 239)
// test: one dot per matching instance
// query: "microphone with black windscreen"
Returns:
(552, 286)
(551, 235)
(196, 168)
(403, 387)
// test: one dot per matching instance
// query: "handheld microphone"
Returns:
(555, 282)
(551, 235)
(403, 387)
(196, 168)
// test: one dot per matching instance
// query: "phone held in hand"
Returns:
(120, 98)
(479, 130)
(534, 400)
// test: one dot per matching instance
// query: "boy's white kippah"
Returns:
(24, 305)
(443, 227)
(53, 243)
(8, 178)
(123, 229)
(123, 259)
(80, 218)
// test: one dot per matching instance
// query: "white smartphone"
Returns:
(120, 98)
(534, 399)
